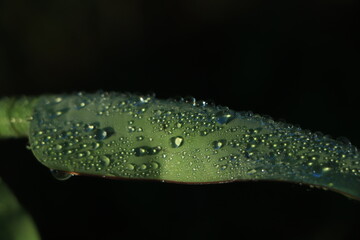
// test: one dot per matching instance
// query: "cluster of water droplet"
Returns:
(123, 135)
(66, 138)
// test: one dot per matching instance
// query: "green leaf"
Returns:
(139, 137)
(15, 222)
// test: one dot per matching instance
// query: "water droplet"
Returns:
(57, 113)
(203, 133)
(154, 165)
(130, 166)
(102, 134)
(223, 117)
(219, 144)
(223, 167)
(141, 151)
(145, 150)
(105, 161)
(58, 147)
(131, 129)
(251, 171)
(60, 175)
(96, 145)
(155, 150)
(91, 126)
(57, 100)
(80, 103)
(177, 141)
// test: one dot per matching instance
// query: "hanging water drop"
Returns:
(60, 175)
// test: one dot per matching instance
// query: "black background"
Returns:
(294, 60)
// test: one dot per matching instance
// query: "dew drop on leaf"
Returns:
(102, 134)
(177, 141)
(224, 117)
(218, 144)
(105, 161)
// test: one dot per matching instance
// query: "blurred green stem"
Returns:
(15, 114)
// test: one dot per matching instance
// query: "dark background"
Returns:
(294, 60)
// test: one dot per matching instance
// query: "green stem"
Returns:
(15, 114)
